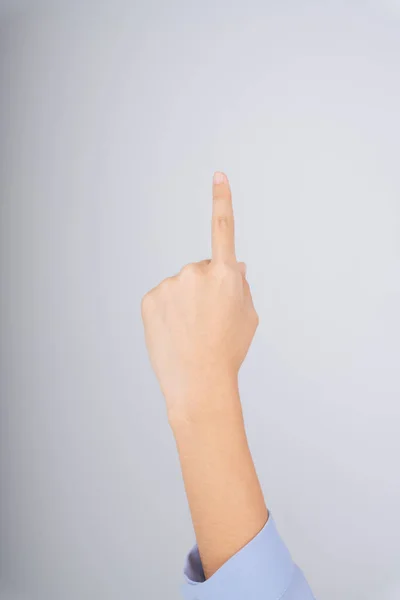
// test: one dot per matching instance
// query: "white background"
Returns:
(113, 117)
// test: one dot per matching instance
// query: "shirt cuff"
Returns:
(261, 569)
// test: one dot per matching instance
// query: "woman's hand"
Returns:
(200, 323)
(199, 326)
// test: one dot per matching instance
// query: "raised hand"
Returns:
(199, 324)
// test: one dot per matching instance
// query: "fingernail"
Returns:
(219, 178)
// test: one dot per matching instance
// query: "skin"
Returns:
(199, 326)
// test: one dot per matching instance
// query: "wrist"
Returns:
(207, 399)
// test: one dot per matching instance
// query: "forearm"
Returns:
(199, 326)
(224, 494)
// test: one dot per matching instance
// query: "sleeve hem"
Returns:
(263, 565)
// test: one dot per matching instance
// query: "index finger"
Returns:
(223, 232)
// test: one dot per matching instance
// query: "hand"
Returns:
(199, 324)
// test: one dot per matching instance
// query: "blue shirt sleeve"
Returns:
(262, 570)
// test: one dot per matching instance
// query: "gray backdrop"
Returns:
(113, 117)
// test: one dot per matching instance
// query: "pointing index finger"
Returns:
(223, 233)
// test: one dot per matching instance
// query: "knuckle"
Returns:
(190, 270)
(222, 270)
(147, 303)
(166, 285)
(256, 318)
(223, 221)
(221, 192)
